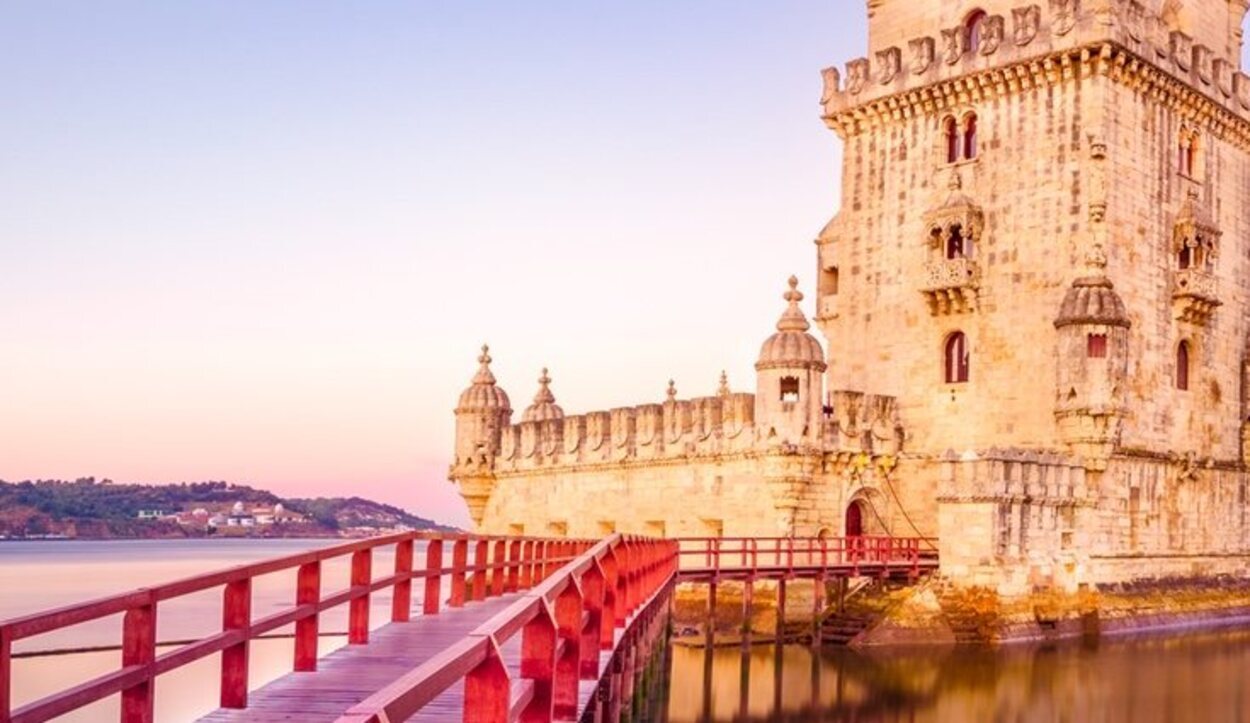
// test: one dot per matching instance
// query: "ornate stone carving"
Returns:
(1132, 15)
(1196, 295)
(856, 75)
(831, 81)
(1202, 63)
(956, 211)
(923, 53)
(1063, 13)
(951, 285)
(991, 34)
(1223, 71)
(890, 64)
(1025, 23)
(1182, 48)
(954, 42)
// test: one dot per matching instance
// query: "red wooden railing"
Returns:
(499, 566)
(608, 599)
(788, 556)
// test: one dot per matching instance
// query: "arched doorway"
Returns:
(855, 519)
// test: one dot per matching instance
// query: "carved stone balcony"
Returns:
(951, 286)
(1195, 295)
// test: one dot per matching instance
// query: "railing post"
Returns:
(526, 568)
(499, 563)
(358, 609)
(433, 576)
(401, 601)
(487, 689)
(514, 566)
(481, 551)
(629, 577)
(592, 603)
(6, 674)
(538, 663)
(307, 592)
(459, 561)
(607, 628)
(236, 615)
(551, 550)
(138, 649)
(569, 628)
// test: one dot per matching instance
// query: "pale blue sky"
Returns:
(262, 241)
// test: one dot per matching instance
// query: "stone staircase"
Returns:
(842, 628)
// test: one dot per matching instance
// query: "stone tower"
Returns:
(1042, 254)
(481, 414)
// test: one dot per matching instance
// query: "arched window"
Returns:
(974, 23)
(970, 136)
(951, 128)
(1187, 154)
(1186, 257)
(1096, 346)
(956, 246)
(956, 358)
(1182, 366)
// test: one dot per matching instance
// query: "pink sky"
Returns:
(263, 244)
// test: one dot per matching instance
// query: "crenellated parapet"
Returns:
(677, 429)
(1034, 45)
(862, 423)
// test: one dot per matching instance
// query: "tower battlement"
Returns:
(1012, 46)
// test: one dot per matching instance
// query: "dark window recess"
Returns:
(956, 358)
(1096, 346)
(789, 389)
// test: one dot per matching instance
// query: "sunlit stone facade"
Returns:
(1035, 310)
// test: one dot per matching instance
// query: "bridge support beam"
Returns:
(781, 610)
(748, 604)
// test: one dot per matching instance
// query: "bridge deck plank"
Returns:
(354, 672)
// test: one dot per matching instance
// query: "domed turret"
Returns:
(544, 407)
(1093, 328)
(483, 395)
(791, 346)
(1092, 301)
(789, 378)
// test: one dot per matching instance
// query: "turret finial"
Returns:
(672, 390)
(484, 375)
(544, 395)
(793, 319)
(724, 385)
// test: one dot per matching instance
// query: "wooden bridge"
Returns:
(524, 630)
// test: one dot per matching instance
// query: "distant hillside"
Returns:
(86, 508)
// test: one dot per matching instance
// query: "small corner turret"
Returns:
(1093, 328)
(482, 413)
(790, 379)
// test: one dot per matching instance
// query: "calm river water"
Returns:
(1172, 678)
